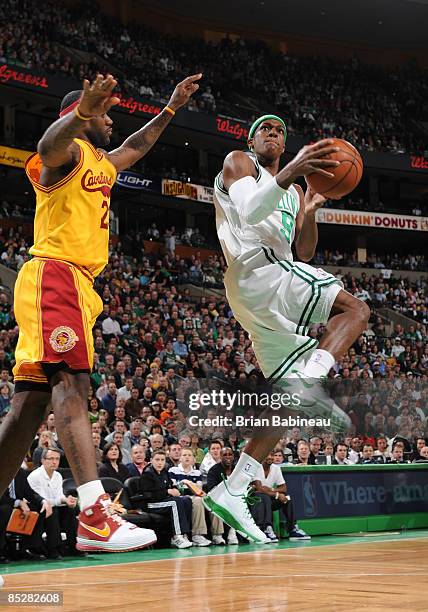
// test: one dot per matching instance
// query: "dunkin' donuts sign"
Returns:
(372, 219)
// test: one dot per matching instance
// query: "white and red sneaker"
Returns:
(102, 529)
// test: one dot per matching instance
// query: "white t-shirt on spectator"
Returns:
(48, 488)
(207, 464)
(111, 327)
(273, 479)
(123, 393)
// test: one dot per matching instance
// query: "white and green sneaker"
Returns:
(233, 509)
(314, 400)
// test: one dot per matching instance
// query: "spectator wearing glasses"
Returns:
(47, 482)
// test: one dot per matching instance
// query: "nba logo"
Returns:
(309, 500)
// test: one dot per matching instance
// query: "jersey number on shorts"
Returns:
(104, 218)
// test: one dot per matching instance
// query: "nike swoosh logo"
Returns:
(103, 533)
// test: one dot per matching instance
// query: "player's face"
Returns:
(268, 141)
(100, 130)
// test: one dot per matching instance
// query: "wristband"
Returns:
(277, 495)
(82, 117)
(169, 110)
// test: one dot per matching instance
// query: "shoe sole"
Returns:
(228, 518)
(92, 546)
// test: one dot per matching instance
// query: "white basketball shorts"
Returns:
(276, 301)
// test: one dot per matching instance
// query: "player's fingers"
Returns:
(106, 81)
(316, 170)
(98, 81)
(110, 86)
(86, 85)
(325, 151)
(324, 163)
(109, 82)
(321, 143)
(192, 78)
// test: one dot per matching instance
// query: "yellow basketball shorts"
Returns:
(56, 308)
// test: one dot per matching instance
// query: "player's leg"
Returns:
(18, 430)
(100, 527)
(307, 296)
(69, 403)
(32, 390)
(349, 318)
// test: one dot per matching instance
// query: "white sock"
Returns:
(319, 364)
(244, 473)
(89, 493)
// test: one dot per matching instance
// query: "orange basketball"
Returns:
(346, 176)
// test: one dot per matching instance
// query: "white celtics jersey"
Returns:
(276, 231)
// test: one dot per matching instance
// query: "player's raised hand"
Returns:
(97, 97)
(313, 201)
(314, 158)
(183, 91)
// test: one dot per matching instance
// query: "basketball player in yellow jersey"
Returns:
(55, 303)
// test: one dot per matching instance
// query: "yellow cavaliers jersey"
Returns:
(72, 216)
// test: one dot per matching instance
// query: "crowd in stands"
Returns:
(368, 105)
(387, 261)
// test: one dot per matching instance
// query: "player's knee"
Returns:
(361, 312)
(70, 386)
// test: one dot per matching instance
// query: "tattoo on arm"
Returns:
(139, 143)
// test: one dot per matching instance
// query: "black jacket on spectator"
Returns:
(133, 470)
(215, 476)
(106, 470)
(24, 491)
(153, 487)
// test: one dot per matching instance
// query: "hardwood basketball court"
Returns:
(377, 573)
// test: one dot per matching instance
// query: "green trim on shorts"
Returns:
(296, 269)
(316, 285)
(316, 289)
(291, 359)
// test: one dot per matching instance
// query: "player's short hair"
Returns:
(70, 98)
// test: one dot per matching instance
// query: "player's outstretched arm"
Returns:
(139, 143)
(56, 147)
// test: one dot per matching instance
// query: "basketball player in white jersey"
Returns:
(260, 212)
